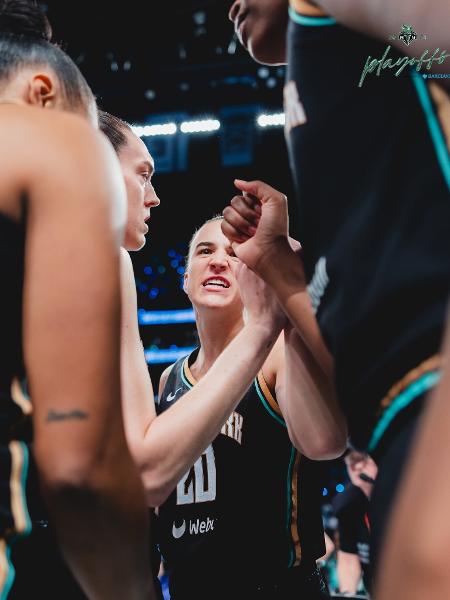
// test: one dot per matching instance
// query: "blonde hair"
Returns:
(217, 217)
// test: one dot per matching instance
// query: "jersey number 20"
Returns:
(199, 483)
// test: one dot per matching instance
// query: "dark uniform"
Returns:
(14, 455)
(372, 172)
(245, 520)
(29, 555)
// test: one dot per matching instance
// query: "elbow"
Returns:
(157, 485)
(91, 468)
(156, 476)
(329, 452)
(322, 447)
(67, 477)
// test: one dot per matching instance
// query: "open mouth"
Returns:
(216, 282)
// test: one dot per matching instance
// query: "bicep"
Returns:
(71, 303)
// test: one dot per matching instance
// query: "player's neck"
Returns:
(214, 335)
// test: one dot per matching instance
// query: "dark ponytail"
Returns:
(22, 18)
(25, 39)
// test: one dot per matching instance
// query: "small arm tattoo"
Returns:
(54, 415)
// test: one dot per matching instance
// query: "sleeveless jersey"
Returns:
(250, 504)
(372, 173)
(14, 404)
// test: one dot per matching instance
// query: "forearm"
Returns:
(176, 438)
(283, 271)
(310, 407)
(101, 521)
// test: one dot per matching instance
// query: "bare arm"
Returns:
(306, 397)
(71, 346)
(165, 447)
(415, 560)
(137, 390)
(304, 383)
(268, 247)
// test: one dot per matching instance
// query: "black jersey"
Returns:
(14, 405)
(248, 509)
(351, 509)
(372, 173)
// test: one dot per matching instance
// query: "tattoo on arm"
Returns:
(54, 415)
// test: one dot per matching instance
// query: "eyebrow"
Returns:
(149, 165)
(210, 245)
(207, 244)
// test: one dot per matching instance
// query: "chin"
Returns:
(135, 244)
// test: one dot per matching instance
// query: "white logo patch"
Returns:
(178, 532)
(196, 527)
(293, 108)
(173, 395)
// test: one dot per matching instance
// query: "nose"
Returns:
(234, 10)
(219, 261)
(151, 198)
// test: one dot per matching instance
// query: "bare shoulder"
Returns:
(274, 362)
(43, 128)
(163, 379)
(58, 159)
(36, 141)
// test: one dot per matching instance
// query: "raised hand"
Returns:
(256, 223)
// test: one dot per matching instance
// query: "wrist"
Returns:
(281, 266)
(265, 326)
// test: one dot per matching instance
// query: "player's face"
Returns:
(137, 168)
(261, 27)
(210, 279)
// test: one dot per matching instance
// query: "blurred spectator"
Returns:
(351, 509)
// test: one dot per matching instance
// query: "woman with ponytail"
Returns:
(62, 211)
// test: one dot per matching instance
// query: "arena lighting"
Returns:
(151, 130)
(165, 317)
(274, 120)
(200, 126)
(159, 356)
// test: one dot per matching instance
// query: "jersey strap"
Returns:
(303, 13)
(267, 399)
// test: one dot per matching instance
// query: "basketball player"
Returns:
(61, 213)
(249, 508)
(375, 252)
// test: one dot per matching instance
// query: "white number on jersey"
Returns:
(199, 483)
